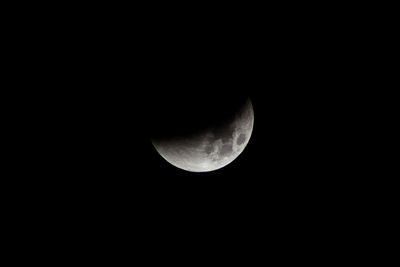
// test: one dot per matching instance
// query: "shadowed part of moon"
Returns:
(224, 132)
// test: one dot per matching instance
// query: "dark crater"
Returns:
(241, 139)
(226, 150)
(209, 149)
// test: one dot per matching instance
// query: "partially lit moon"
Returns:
(212, 148)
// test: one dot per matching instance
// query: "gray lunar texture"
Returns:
(213, 148)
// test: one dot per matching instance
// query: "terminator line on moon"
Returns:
(208, 150)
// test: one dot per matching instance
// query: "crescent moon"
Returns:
(213, 148)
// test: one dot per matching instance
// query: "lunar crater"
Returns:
(241, 139)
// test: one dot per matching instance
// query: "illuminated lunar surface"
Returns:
(212, 148)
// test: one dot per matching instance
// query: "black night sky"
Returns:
(161, 67)
(121, 79)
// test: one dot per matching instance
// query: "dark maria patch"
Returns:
(241, 139)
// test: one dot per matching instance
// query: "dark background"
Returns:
(106, 78)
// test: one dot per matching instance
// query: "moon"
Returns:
(212, 148)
